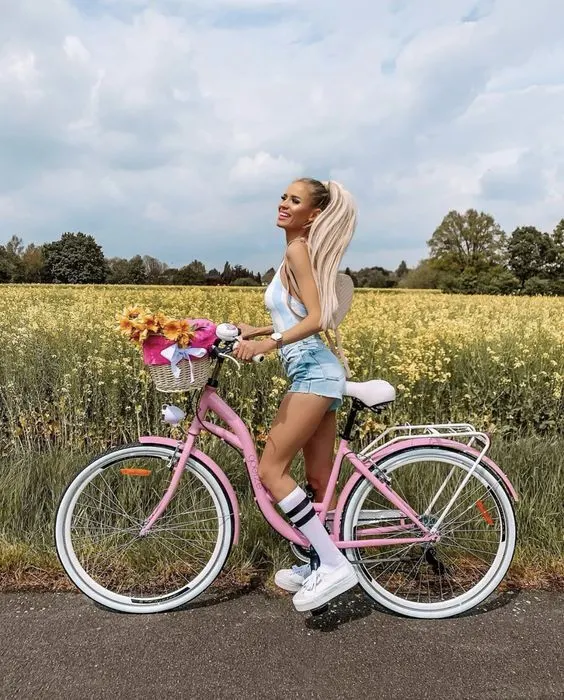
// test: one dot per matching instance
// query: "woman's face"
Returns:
(296, 211)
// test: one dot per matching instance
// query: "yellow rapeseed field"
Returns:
(71, 386)
(67, 376)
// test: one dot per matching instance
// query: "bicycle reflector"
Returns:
(484, 513)
(135, 471)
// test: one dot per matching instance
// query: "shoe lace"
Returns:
(310, 584)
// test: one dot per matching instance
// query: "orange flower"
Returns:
(161, 320)
(132, 312)
(125, 325)
(171, 330)
(150, 322)
(186, 334)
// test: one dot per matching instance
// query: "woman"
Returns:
(319, 221)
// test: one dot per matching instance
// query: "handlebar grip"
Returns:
(256, 358)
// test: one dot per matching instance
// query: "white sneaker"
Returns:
(292, 579)
(323, 585)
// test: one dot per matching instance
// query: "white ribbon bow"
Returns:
(174, 354)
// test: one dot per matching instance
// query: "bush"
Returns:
(244, 282)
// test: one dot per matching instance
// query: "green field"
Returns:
(70, 387)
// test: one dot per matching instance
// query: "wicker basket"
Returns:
(164, 379)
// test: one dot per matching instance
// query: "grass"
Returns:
(70, 387)
(31, 485)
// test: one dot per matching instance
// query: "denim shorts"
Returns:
(314, 369)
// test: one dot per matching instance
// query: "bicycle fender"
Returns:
(420, 442)
(214, 468)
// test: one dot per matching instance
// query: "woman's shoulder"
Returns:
(297, 251)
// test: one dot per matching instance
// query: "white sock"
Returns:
(301, 512)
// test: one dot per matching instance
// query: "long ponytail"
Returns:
(328, 239)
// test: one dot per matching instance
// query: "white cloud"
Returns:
(150, 122)
(261, 167)
(75, 49)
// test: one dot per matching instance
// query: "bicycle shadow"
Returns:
(212, 597)
(355, 605)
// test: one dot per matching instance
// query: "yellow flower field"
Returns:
(71, 386)
(67, 377)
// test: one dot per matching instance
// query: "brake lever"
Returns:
(229, 357)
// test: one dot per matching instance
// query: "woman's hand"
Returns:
(246, 330)
(247, 349)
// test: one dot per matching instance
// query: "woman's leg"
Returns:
(319, 453)
(298, 418)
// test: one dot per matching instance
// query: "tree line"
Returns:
(468, 253)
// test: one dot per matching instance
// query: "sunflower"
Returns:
(125, 325)
(186, 333)
(171, 329)
(150, 322)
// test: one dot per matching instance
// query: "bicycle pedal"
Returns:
(320, 611)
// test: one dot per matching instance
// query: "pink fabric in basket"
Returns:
(204, 337)
(152, 350)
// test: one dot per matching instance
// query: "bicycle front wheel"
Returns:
(477, 536)
(101, 514)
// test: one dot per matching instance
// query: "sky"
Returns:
(171, 127)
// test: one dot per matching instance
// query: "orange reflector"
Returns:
(135, 472)
(482, 508)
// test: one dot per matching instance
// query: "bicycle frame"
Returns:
(239, 437)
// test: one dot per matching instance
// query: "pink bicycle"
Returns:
(425, 516)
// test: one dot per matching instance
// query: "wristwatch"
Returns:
(277, 338)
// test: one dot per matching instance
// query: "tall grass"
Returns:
(70, 388)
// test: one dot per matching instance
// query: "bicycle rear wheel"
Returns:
(103, 510)
(477, 537)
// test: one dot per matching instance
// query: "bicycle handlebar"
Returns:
(230, 335)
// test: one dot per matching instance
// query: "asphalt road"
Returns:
(251, 646)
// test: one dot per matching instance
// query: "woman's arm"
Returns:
(299, 262)
(254, 332)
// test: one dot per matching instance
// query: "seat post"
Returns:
(351, 419)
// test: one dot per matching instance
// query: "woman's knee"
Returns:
(270, 472)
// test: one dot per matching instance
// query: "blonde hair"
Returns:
(328, 238)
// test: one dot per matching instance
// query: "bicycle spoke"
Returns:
(470, 537)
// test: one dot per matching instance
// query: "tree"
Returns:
(227, 275)
(467, 240)
(15, 246)
(32, 263)
(375, 277)
(74, 259)
(11, 266)
(118, 271)
(245, 282)
(352, 275)
(424, 276)
(194, 273)
(402, 270)
(136, 272)
(154, 269)
(529, 253)
(557, 270)
(213, 277)
(5, 265)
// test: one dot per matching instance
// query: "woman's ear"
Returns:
(314, 214)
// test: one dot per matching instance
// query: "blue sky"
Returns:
(170, 127)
